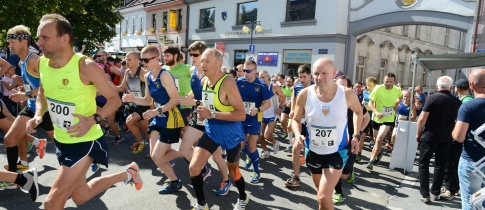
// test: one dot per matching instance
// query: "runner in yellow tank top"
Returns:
(70, 83)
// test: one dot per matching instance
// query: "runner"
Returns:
(134, 80)
(269, 116)
(287, 90)
(358, 88)
(325, 107)
(224, 110)
(384, 100)
(196, 128)
(304, 75)
(19, 40)
(167, 119)
(371, 83)
(79, 140)
(27, 180)
(256, 97)
(403, 114)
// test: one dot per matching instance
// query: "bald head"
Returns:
(477, 77)
(132, 60)
(324, 63)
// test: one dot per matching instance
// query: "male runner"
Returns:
(79, 140)
(224, 110)
(256, 97)
(287, 90)
(325, 107)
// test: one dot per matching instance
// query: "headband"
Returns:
(18, 36)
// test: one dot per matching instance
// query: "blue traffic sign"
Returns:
(252, 48)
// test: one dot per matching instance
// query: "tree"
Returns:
(93, 21)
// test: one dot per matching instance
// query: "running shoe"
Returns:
(207, 172)
(105, 129)
(351, 178)
(358, 157)
(264, 154)
(32, 186)
(117, 141)
(241, 204)
(288, 149)
(247, 163)
(199, 207)
(293, 181)
(338, 199)
(370, 166)
(388, 145)
(254, 177)
(135, 176)
(8, 185)
(41, 148)
(276, 147)
(170, 187)
(134, 146)
(224, 188)
(371, 145)
(447, 195)
(94, 167)
(139, 148)
(20, 167)
(29, 146)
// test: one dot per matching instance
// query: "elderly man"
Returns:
(437, 119)
(469, 130)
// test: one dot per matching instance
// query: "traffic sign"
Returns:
(252, 48)
(251, 57)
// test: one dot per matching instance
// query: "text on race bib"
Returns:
(248, 105)
(208, 99)
(27, 87)
(177, 84)
(136, 94)
(288, 100)
(387, 110)
(61, 113)
(323, 136)
(158, 105)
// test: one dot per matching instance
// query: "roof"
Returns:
(451, 61)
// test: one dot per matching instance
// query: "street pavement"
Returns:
(380, 189)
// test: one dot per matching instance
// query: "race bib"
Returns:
(27, 87)
(323, 136)
(177, 84)
(137, 94)
(158, 105)
(387, 110)
(288, 100)
(61, 113)
(248, 106)
(208, 99)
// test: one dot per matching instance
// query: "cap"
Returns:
(339, 73)
(462, 84)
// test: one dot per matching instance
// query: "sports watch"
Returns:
(213, 114)
(97, 118)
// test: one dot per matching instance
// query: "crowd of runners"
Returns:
(221, 114)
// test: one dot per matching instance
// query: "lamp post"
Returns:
(255, 26)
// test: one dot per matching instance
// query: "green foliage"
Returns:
(93, 21)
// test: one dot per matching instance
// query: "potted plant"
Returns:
(124, 33)
(163, 29)
(152, 30)
(178, 28)
(138, 32)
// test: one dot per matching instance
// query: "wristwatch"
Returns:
(97, 118)
(197, 103)
(356, 136)
(29, 93)
(160, 111)
(259, 109)
(213, 114)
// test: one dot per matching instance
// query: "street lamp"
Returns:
(255, 26)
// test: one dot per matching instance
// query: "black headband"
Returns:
(18, 36)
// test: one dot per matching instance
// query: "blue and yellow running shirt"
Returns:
(170, 118)
(31, 82)
(253, 94)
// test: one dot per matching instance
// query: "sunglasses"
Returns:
(146, 60)
(194, 55)
(248, 70)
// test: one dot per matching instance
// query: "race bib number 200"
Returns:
(61, 113)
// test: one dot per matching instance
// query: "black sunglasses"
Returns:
(194, 55)
(146, 60)
(247, 70)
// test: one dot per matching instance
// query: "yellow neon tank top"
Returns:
(66, 94)
(217, 101)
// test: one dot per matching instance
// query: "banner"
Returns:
(173, 18)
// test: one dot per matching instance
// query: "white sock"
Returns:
(24, 163)
(36, 142)
(128, 174)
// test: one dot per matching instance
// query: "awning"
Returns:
(451, 61)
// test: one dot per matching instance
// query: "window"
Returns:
(154, 21)
(400, 75)
(141, 23)
(425, 74)
(207, 18)
(164, 20)
(360, 69)
(179, 19)
(405, 30)
(300, 10)
(382, 69)
(126, 26)
(247, 11)
(239, 57)
(418, 32)
(447, 37)
(133, 26)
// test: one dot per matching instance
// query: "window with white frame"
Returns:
(360, 76)
(141, 23)
(382, 69)
(133, 26)
(207, 18)
(247, 11)
(400, 73)
(300, 10)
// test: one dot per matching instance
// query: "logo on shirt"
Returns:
(157, 86)
(65, 82)
(256, 89)
(325, 110)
